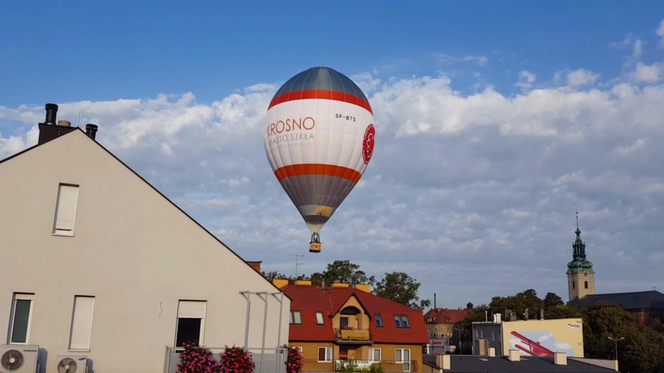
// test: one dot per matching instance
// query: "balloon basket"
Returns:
(314, 247)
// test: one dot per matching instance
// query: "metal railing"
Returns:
(273, 360)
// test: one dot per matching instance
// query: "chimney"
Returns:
(255, 265)
(51, 113)
(303, 282)
(560, 358)
(280, 282)
(514, 355)
(340, 285)
(91, 130)
(492, 352)
(444, 361)
(434, 301)
(49, 130)
(541, 314)
(525, 314)
(364, 287)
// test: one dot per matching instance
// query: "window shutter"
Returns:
(66, 209)
(81, 325)
(191, 310)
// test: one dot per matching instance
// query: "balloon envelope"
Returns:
(319, 139)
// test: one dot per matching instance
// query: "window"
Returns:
(65, 210)
(319, 318)
(324, 354)
(19, 327)
(402, 356)
(586, 284)
(573, 287)
(191, 322)
(375, 355)
(81, 323)
(343, 322)
(296, 317)
(379, 320)
(401, 321)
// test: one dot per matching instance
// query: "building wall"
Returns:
(359, 321)
(563, 335)
(486, 331)
(132, 249)
(388, 355)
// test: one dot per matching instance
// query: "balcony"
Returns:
(352, 336)
(357, 365)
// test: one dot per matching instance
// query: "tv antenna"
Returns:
(296, 262)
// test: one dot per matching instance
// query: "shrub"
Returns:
(294, 361)
(197, 359)
(236, 360)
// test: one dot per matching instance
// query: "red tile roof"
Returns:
(445, 315)
(309, 299)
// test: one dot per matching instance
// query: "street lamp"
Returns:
(615, 340)
(459, 329)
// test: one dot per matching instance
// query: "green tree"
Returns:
(401, 288)
(641, 350)
(562, 312)
(551, 300)
(342, 271)
(518, 304)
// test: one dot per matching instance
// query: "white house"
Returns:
(96, 264)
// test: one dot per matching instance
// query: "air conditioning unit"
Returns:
(18, 358)
(71, 364)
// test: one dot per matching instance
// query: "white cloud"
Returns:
(526, 79)
(486, 178)
(637, 49)
(581, 77)
(446, 58)
(660, 32)
(648, 73)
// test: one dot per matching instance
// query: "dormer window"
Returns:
(379, 320)
(319, 318)
(401, 321)
(296, 318)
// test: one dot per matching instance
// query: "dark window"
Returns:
(573, 285)
(189, 330)
(586, 284)
(350, 310)
(379, 320)
(21, 318)
(343, 322)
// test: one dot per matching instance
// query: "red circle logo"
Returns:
(368, 143)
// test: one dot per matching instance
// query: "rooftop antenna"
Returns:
(296, 262)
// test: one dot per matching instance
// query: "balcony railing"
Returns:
(348, 334)
(358, 365)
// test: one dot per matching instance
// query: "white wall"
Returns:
(132, 249)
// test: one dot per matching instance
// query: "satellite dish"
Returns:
(319, 139)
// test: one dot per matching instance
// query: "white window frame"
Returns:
(399, 358)
(371, 354)
(328, 355)
(89, 327)
(66, 231)
(15, 297)
(320, 320)
(201, 339)
(399, 321)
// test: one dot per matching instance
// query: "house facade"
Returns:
(441, 324)
(99, 266)
(339, 324)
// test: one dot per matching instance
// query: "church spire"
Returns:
(579, 261)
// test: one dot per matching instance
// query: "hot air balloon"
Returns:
(319, 138)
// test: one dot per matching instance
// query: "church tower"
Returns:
(580, 273)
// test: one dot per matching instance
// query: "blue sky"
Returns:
(495, 122)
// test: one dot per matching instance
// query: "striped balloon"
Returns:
(319, 139)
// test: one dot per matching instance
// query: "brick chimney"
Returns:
(255, 265)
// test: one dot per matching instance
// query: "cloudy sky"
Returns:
(494, 124)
